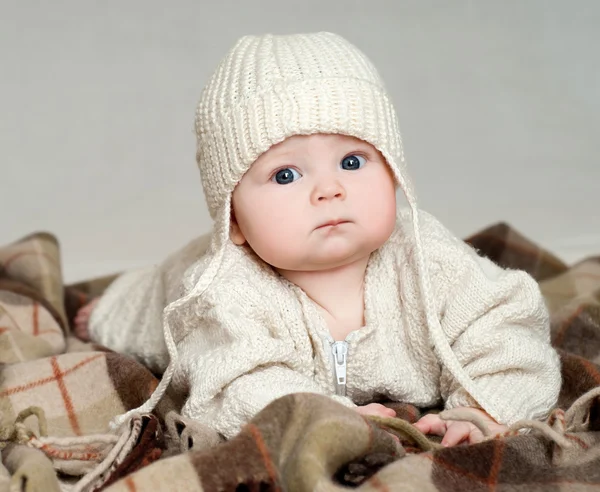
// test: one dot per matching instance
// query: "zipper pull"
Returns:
(340, 359)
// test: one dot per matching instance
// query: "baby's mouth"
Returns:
(333, 223)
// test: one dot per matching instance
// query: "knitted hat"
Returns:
(266, 89)
(269, 88)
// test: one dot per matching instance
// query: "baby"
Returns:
(314, 280)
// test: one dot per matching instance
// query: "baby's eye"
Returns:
(286, 176)
(353, 162)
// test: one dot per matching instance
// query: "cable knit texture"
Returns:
(442, 324)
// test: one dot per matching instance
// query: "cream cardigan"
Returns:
(253, 337)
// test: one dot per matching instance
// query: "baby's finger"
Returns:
(456, 433)
(390, 412)
(431, 424)
(475, 436)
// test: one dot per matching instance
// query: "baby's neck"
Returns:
(339, 292)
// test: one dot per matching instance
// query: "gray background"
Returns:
(498, 102)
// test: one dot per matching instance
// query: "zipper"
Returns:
(340, 362)
(339, 356)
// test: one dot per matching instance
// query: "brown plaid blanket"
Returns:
(59, 394)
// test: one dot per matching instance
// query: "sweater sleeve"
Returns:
(128, 318)
(235, 366)
(498, 326)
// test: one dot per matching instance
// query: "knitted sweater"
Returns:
(253, 336)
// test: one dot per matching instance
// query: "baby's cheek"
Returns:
(278, 248)
(380, 217)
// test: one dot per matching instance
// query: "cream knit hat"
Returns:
(268, 88)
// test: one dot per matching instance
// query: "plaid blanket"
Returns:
(58, 396)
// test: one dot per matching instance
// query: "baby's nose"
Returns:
(329, 191)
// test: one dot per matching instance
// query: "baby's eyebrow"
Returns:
(358, 144)
(277, 157)
(282, 154)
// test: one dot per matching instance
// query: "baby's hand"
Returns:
(376, 409)
(455, 432)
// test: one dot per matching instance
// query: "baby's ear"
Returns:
(235, 233)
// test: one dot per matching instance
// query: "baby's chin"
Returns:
(326, 259)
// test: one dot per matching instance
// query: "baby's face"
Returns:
(315, 202)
